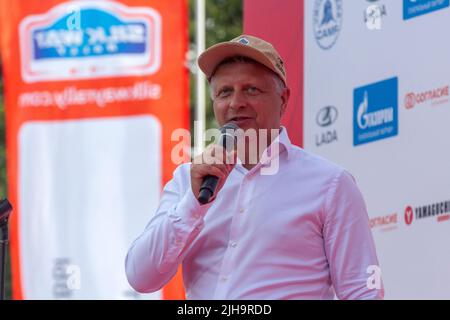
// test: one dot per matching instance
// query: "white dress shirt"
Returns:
(302, 233)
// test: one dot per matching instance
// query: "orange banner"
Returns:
(82, 78)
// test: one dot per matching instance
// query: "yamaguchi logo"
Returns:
(415, 8)
(409, 215)
(375, 111)
(439, 210)
(327, 22)
(90, 39)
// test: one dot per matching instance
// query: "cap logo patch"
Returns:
(244, 41)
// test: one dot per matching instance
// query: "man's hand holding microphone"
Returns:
(210, 170)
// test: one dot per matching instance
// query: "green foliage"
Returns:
(223, 23)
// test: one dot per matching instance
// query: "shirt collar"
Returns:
(280, 144)
(284, 145)
(284, 140)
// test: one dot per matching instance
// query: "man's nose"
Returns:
(238, 100)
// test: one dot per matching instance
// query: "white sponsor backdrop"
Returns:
(410, 168)
(89, 228)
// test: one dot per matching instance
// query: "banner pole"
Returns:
(199, 125)
(5, 211)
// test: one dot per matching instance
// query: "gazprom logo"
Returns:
(375, 112)
(415, 8)
(108, 39)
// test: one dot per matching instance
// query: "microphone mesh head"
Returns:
(229, 126)
(228, 138)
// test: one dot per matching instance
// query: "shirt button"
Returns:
(241, 210)
(224, 278)
(233, 244)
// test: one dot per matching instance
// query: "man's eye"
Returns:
(253, 90)
(224, 93)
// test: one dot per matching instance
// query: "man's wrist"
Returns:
(192, 207)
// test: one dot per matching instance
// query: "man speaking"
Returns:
(297, 230)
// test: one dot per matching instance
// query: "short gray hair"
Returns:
(243, 59)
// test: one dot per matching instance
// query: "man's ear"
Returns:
(284, 99)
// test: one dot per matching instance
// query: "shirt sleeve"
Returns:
(349, 244)
(154, 257)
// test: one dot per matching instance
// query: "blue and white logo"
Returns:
(415, 8)
(90, 39)
(244, 41)
(375, 111)
(327, 22)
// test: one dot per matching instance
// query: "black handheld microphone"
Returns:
(209, 185)
(5, 210)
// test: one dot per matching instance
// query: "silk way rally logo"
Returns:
(92, 39)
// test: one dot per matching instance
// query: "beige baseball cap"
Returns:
(244, 45)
